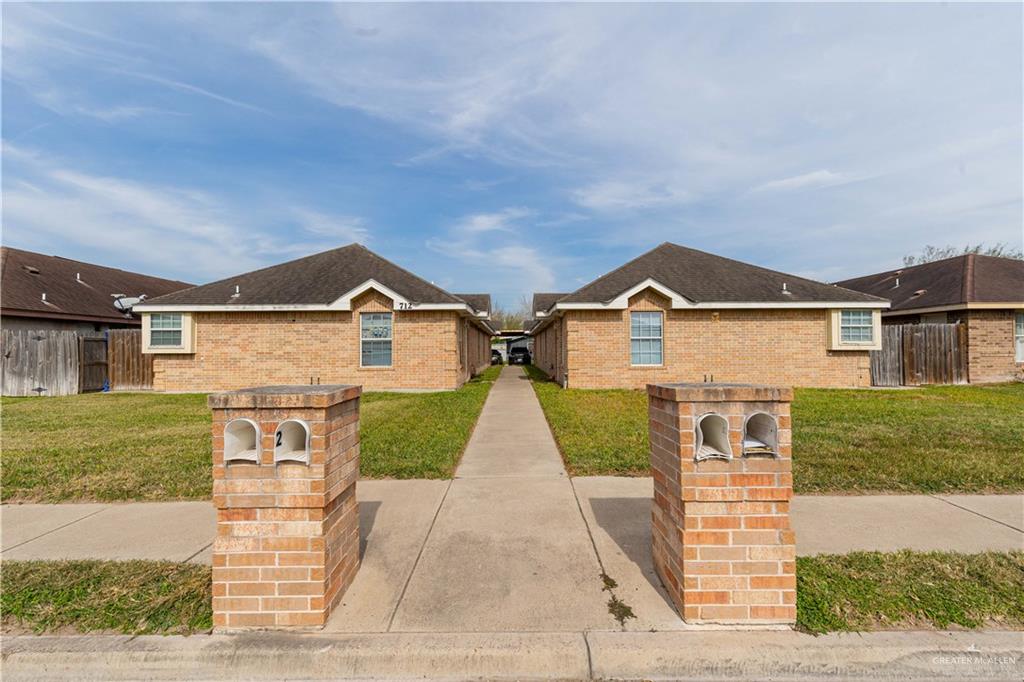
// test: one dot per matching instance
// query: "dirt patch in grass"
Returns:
(130, 597)
(910, 590)
(948, 439)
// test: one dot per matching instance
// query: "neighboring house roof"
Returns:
(74, 290)
(317, 280)
(542, 302)
(695, 278)
(480, 302)
(951, 282)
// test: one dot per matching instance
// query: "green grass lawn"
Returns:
(152, 446)
(933, 439)
(131, 597)
(849, 592)
(910, 590)
(420, 435)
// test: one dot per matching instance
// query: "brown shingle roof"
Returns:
(479, 302)
(318, 279)
(953, 281)
(706, 278)
(541, 302)
(26, 276)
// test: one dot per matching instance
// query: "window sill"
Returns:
(377, 369)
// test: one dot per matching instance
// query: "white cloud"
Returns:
(620, 195)
(500, 221)
(156, 228)
(348, 228)
(491, 252)
(818, 178)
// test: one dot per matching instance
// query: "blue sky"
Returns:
(511, 148)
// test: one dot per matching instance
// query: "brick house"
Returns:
(681, 315)
(985, 293)
(345, 316)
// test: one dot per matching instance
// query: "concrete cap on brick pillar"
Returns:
(720, 393)
(297, 396)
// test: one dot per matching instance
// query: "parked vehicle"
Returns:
(519, 356)
(496, 358)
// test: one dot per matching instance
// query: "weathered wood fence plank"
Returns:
(39, 362)
(919, 354)
(129, 369)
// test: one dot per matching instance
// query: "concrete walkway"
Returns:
(511, 544)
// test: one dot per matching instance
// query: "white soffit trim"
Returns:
(949, 308)
(621, 302)
(343, 303)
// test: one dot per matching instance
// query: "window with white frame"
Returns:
(1018, 336)
(375, 339)
(645, 338)
(165, 330)
(856, 326)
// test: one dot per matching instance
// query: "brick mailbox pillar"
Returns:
(721, 458)
(285, 464)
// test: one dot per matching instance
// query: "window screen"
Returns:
(645, 337)
(375, 339)
(165, 329)
(856, 326)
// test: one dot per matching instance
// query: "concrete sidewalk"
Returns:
(521, 656)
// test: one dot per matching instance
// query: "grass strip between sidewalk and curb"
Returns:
(935, 439)
(147, 447)
(910, 590)
(860, 591)
(129, 597)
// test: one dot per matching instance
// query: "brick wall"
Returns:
(476, 355)
(287, 543)
(721, 536)
(549, 350)
(239, 349)
(990, 346)
(746, 346)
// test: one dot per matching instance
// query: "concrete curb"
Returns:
(691, 655)
(277, 656)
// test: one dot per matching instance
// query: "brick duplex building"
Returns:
(676, 314)
(985, 293)
(345, 316)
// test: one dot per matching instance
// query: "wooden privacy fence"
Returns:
(39, 362)
(92, 363)
(916, 354)
(52, 363)
(129, 369)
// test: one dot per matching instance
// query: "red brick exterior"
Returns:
(436, 350)
(591, 348)
(721, 536)
(990, 346)
(287, 544)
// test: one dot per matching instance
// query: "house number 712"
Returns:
(406, 306)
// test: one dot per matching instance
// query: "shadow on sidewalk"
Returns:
(627, 521)
(367, 515)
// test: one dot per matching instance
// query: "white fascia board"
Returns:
(950, 308)
(283, 307)
(343, 303)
